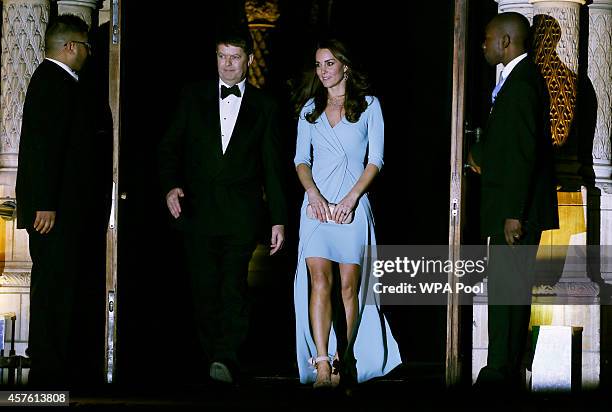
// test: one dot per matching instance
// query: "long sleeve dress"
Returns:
(337, 156)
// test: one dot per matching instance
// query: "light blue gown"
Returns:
(338, 159)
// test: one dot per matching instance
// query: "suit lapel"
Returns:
(210, 112)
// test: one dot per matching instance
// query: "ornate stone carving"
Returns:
(567, 45)
(15, 279)
(262, 16)
(556, 53)
(262, 11)
(258, 69)
(600, 74)
(567, 289)
(23, 39)
(605, 187)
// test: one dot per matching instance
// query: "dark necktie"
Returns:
(226, 91)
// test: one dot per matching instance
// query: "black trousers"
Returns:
(218, 268)
(510, 275)
(67, 303)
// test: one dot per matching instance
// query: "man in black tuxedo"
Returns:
(63, 201)
(518, 199)
(220, 154)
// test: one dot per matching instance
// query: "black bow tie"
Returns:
(226, 91)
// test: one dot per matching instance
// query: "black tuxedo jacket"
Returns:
(224, 193)
(515, 155)
(65, 152)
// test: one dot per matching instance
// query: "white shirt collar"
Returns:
(241, 86)
(65, 67)
(511, 65)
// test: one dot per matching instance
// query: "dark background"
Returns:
(408, 54)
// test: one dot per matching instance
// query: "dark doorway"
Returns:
(408, 53)
(479, 81)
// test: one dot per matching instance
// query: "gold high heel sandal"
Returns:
(326, 383)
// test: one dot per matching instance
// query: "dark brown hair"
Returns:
(357, 86)
(237, 37)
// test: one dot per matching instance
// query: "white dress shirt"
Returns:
(510, 66)
(228, 112)
(65, 67)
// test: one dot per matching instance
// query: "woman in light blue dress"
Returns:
(339, 152)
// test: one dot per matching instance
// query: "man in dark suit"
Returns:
(63, 199)
(518, 199)
(220, 154)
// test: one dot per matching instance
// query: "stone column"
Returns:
(600, 75)
(556, 49)
(519, 6)
(85, 9)
(23, 37)
(566, 12)
(23, 42)
(557, 39)
(104, 14)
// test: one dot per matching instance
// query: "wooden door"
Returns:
(472, 83)
(111, 237)
(453, 317)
